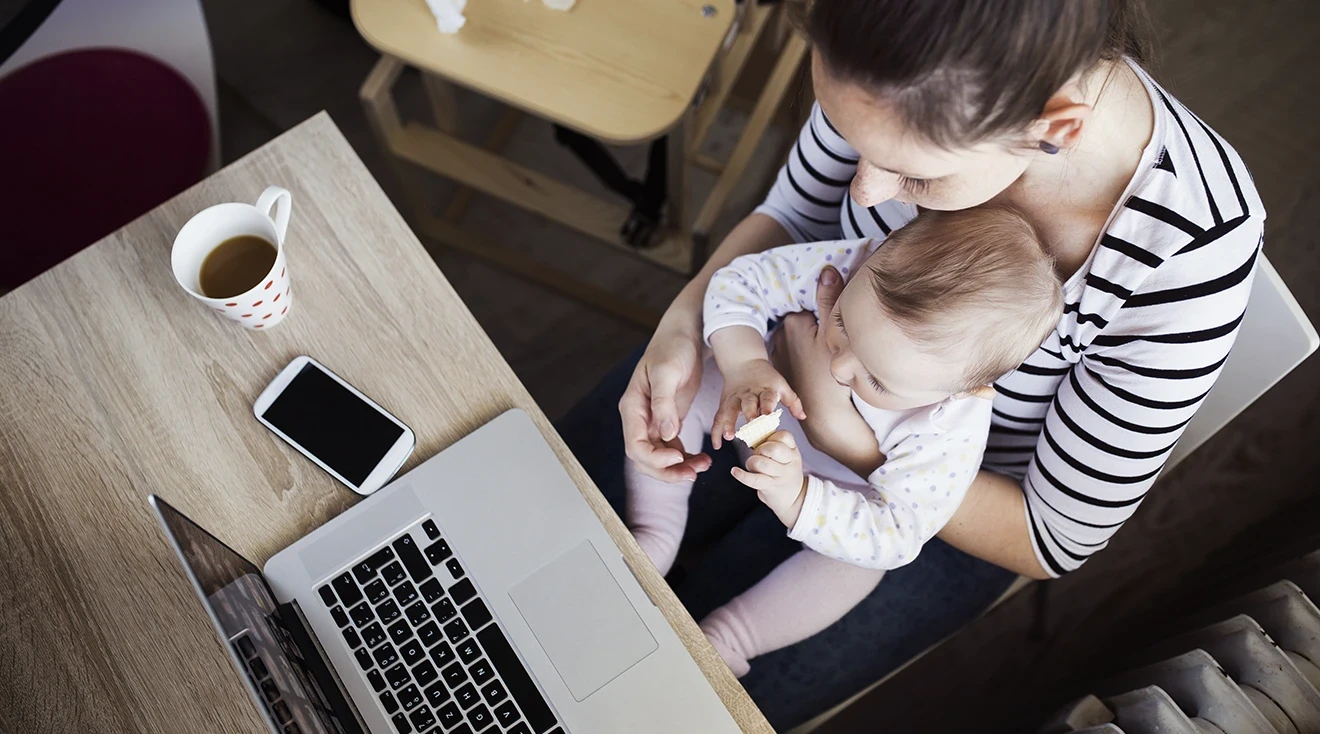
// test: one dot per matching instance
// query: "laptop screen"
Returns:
(248, 621)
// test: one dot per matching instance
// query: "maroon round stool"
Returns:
(90, 140)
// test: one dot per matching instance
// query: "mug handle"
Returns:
(279, 200)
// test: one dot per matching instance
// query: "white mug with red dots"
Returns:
(267, 301)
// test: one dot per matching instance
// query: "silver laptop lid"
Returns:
(260, 638)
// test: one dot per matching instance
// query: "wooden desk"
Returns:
(116, 384)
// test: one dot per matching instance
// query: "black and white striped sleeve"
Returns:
(1120, 410)
(808, 194)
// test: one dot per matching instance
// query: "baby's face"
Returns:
(871, 355)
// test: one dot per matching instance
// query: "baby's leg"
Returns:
(656, 512)
(803, 596)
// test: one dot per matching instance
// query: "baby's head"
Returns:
(949, 303)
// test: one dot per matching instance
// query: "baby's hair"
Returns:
(977, 280)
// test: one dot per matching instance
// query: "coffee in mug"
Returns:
(231, 258)
(236, 265)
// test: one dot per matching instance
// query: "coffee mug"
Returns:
(267, 302)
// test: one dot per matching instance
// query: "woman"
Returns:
(1154, 224)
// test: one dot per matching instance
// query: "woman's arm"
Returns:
(991, 524)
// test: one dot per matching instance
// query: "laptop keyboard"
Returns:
(426, 643)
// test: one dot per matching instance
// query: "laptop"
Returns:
(476, 593)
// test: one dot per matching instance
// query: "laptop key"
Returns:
(449, 715)
(476, 614)
(393, 573)
(444, 611)
(376, 591)
(467, 696)
(405, 593)
(422, 718)
(401, 724)
(430, 529)
(245, 647)
(480, 718)
(398, 676)
(351, 638)
(400, 631)
(410, 697)
(418, 613)
(442, 654)
(494, 692)
(432, 590)
(385, 655)
(363, 658)
(258, 667)
(481, 671)
(429, 633)
(327, 595)
(506, 714)
(376, 680)
(437, 694)
(455, 675)
(456, 630)
(437, 552)
(388, 612)
(270, 690)
(372, 563)
(412, 652)
(348, 591)
(424, 673)
(361, 614)
(462, 729)
(462, 591)
(373, 635)
(387, 700)
(340, 617)
(516, 679)
(455, 568)
(521, 728)
(468, 651)
(412, 559)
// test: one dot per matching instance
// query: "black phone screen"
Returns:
(332, 424)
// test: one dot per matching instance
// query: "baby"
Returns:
(927, 320)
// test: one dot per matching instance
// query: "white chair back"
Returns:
(1274, 338)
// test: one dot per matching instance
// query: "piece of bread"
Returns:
(759, 428)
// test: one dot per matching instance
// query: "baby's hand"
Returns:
(775, 472)
(753, 388)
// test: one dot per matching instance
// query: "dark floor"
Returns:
(1248, 67)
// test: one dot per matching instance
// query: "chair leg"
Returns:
(781, 78)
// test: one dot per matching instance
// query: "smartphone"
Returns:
(334, 425)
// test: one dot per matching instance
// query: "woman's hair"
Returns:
(974, 284)
(964, 71)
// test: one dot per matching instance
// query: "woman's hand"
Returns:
(656, 402)
(801, 355)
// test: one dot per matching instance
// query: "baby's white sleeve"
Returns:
(753, 289)
(909, 499)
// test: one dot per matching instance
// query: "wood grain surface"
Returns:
(618, 70)
(118, 385)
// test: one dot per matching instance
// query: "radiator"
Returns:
(1248, 665)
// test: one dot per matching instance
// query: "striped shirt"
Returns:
(1087, 422)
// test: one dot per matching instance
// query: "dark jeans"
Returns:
(741, 541)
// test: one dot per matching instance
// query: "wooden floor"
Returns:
(1248, 67)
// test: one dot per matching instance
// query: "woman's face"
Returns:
(899, 163)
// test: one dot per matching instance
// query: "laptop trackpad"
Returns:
(582, 619)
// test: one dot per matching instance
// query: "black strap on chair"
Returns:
(647, 196)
